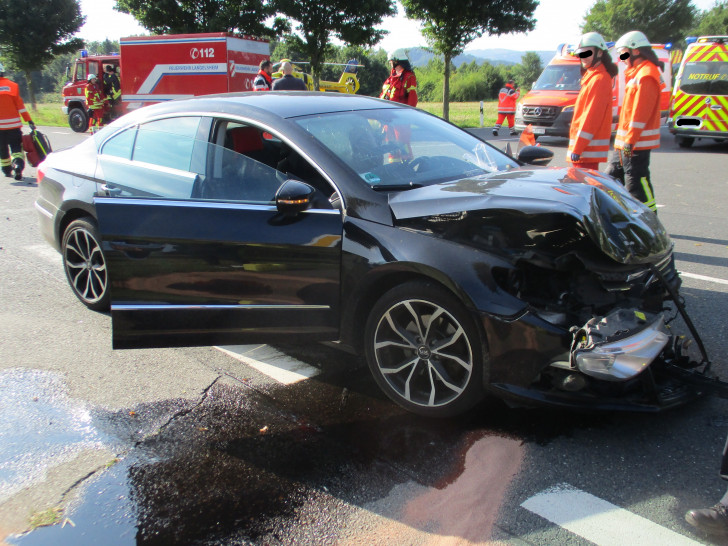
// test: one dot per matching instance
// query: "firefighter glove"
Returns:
(31, 125)
(627, 150)
(575, 157)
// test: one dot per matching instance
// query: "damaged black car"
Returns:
(456, 269)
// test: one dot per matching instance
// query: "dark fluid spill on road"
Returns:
(247, 465)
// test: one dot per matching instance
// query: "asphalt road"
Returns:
(194, 446)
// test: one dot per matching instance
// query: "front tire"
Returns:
(85, 264)
(425, 350)
(684, 142)
(78, 120)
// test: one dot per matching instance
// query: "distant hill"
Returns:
(420, 57)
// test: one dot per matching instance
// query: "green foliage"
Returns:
(528, 71)
(318, 22)
(661, 20)
(470, 82)
(450, 25)
(712, 22)
(190, 16)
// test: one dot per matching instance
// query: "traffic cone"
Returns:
(527, 138)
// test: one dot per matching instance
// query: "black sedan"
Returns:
(456, 269)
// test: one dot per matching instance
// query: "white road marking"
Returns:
(599, 521)
(271, 362)
(702, 277)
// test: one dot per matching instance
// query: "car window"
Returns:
(705, 78)
(120, 145)
(402, 147)
(566, 77)
(167, 142)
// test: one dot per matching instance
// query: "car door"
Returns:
(199, 254)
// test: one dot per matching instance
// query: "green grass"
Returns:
(51, 516)
(463, 114)
(47, 114)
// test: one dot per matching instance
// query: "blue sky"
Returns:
(557, 22)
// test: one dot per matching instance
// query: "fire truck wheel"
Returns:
(78, 120)
(684, 142)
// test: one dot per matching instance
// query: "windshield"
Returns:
(708, 78)
(403, 148)
(566, 77)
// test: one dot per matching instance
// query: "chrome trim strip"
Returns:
(153, 201)
(163, 307)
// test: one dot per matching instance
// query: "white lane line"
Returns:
(271, 362)
(599, 521)
(702, 277)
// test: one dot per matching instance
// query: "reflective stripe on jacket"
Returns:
(402, 88)
(639, 120)
(262, 81)
(12, 107)
(94, 100)
(507, 98)
(591, 126)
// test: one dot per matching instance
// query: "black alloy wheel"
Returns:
(78, 120)
(425, 351)
(85, 264)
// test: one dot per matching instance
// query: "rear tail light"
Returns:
(39, 174)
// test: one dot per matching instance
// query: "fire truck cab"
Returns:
(74, 92)
(699, 107)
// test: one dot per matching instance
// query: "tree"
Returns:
(32, 34)
(529, 70)
(712, 22)
(450, 25)
(190, 16)
(318, 22)
(661, 20)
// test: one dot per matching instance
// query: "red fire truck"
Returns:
(160, 68)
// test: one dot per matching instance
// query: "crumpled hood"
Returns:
(621, 226)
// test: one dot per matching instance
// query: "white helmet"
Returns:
(591, 39)
(398, 55)
(91, 77)
(633, 40)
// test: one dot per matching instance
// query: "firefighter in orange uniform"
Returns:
(507, 98)
(12, 109)
(638, 130)
(96, 102)
(401, 85)
(591, 127)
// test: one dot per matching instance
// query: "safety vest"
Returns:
(591, 126)
(507, 98)
(639, 120)
(262, 81)
(93, 96)
(402, 88)
(11, 106)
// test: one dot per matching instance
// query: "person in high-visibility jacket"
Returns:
(507, 98)
(638, 131)
(591, 126)
(12, 114)
(96, 102)
(263, 79)
(401, 85)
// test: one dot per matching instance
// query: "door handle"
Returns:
(111, 191)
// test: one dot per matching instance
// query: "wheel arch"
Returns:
(380, 281)
(75, 212)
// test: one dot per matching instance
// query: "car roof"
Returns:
(281, 104)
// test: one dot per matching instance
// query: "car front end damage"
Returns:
(599, 322)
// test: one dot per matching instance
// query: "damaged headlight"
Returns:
(598, 354)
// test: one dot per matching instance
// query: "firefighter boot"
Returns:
(496, 128)
(7, 168)
(18, 166)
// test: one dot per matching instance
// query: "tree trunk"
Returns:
(31, 91)
(446, 89)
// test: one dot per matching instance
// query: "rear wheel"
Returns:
(425, 350)
(684, 142)
(78, 120)
(85, 264)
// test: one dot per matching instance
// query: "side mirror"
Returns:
(293, 197)
(535, 155)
